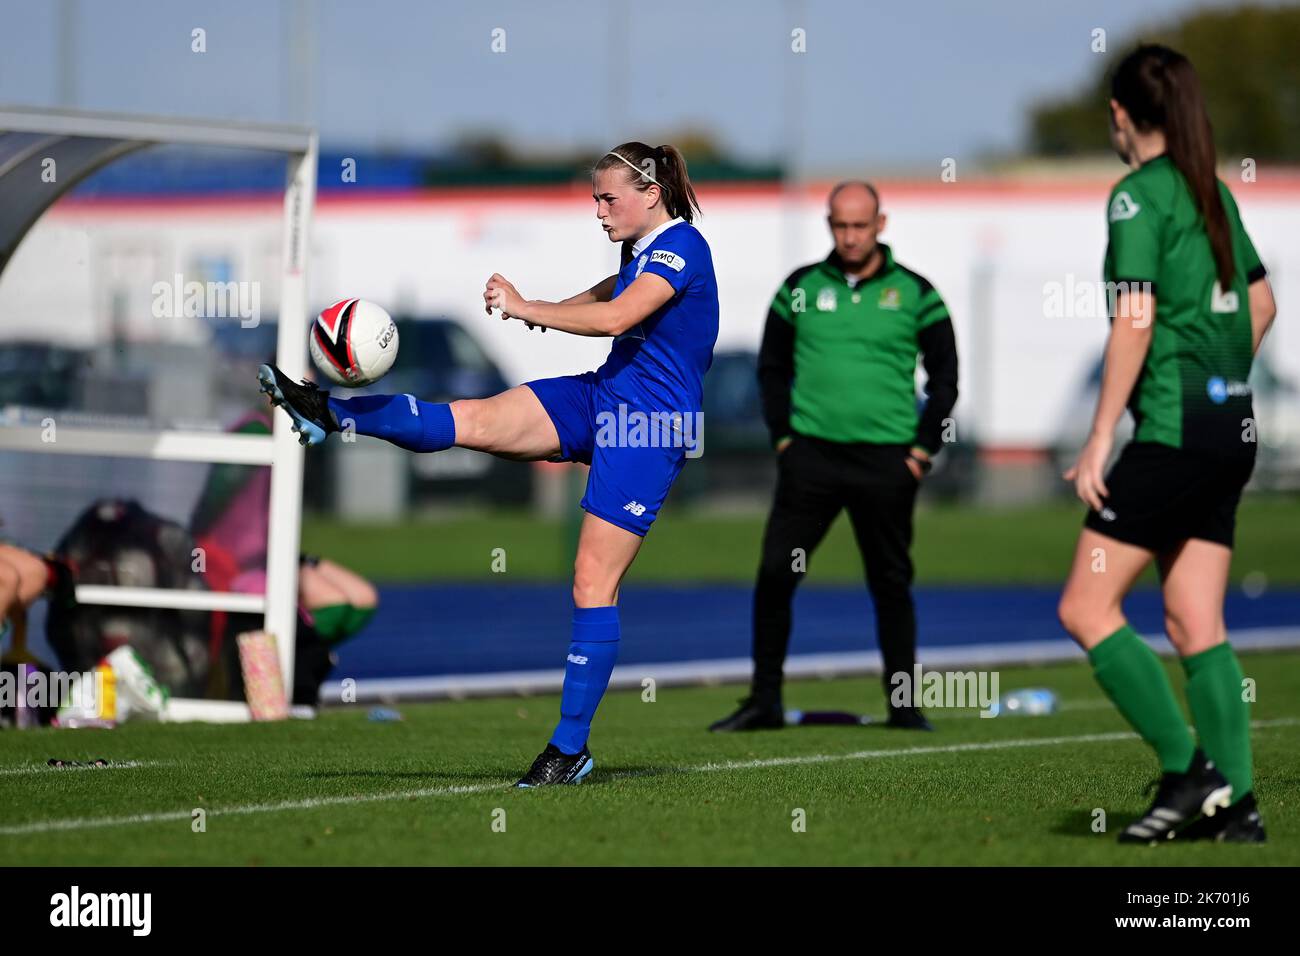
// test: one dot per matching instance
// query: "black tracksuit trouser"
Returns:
(816, 480)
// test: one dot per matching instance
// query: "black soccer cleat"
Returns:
(554, 766)
(907, 718)
(1240, 823)
(1181, 797)
(306, 404)
(752, 715)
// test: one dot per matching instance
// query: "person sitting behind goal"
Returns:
(229, 524)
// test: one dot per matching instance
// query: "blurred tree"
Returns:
(490, 149)
(698, 146)
(482, 148)
(483, 156)
(1249, 63)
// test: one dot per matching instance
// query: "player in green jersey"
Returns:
(1190, 306)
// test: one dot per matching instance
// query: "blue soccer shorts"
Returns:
(628, 483)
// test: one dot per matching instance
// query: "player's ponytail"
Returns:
(662, 166)
(1158, 87)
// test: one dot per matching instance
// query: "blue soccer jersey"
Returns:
(655, 368)
(659, 364)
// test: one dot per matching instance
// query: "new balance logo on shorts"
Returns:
(577, 659)
(635, 507)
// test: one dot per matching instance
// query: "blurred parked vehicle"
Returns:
(40, 375)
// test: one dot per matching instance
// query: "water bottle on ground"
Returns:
(1029, 702)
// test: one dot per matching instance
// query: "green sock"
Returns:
(337, 622)
(1222, 718)
(331, 621)
(357, 618)
(1135, 681)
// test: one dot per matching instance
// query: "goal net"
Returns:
(129, 331)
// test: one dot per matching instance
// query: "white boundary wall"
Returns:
(991, 249)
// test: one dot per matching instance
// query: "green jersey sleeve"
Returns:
(930, 310)
(1134, 230)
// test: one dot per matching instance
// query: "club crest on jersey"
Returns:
(670, 259)
(826, 300)
(1123, 207)
(889, 299)
(1221, 301)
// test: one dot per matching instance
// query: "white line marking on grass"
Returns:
(88, 823)
(921, 751)
(46, 768)
(910, 751)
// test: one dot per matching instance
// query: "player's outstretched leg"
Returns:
(403, 420)
(306, 404)
(512, 425)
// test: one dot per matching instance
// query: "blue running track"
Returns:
(429, 630)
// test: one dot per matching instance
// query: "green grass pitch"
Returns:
(428, 790)
(954, 544)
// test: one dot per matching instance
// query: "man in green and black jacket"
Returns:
(837, 372)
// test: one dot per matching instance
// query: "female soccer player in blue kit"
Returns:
(661, 309)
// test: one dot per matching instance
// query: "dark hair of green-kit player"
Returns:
(1159, 89)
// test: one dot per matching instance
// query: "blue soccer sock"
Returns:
(586, 675)
(403, 420)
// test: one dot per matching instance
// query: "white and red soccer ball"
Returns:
(353, 342)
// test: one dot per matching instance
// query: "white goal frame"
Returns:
(280, 450)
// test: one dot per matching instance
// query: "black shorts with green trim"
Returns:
(1161, 496)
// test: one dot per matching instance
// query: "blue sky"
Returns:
(882, 85)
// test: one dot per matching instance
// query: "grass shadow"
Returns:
(1078, 823)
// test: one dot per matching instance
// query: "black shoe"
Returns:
(62, 592)
(1240, 823)
(907, 718)
(752, 715)
(306, 404)
(1180, 798)
(554, 766)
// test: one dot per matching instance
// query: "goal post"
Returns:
(77, 144)
(281, 617)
